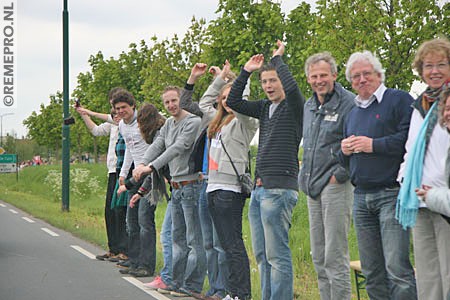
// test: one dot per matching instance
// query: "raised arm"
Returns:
(235, 99)
(186, 103)
(209, 98)
(294, 97)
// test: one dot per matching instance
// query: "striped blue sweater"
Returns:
(279, 136)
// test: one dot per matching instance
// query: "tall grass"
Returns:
(86, 220)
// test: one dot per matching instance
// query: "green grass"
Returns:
(86, 221)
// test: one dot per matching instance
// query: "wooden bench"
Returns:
(360, 280)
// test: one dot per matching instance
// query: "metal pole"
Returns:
(65, 127)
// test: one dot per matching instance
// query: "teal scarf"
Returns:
(407, 201)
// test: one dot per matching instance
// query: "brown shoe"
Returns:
(105, 256)
(118, 257)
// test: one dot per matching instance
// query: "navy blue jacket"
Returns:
(387, 123)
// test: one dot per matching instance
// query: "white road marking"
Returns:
(49, 231)
(83, 251)
(13, 211)
(28, 220)
(137, 283)
(2, 205)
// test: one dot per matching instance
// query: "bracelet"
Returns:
(140, 193)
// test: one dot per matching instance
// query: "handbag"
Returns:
(245, 179)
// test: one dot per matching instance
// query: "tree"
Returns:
(392, 29)
(46, 127)
(169, 63)
(300, 32)
(244, 28)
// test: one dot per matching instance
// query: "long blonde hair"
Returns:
(222, 117)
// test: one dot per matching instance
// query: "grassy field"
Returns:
(36, 193)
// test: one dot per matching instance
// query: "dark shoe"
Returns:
(118, 257)
(167, 290)
(123, 264)
(105, 256)
(127, 271)
(141, 272)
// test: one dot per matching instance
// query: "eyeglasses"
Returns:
(358, 76)
(440, 66)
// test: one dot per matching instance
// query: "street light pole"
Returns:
(1, 125)
(65, 127)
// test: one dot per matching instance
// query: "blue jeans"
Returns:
(270, 215)
(142, 235)
(383, 246)
(166, 243)
(226, 211)
(215, 256)
(189, 259)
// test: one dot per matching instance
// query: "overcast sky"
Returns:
(102, 25)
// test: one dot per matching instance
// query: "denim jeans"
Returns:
(226, 211)
(329, 223)
(142, 235)
(270, 215)
(166, 243)
(383, 246)
(189, 259)
(216, 263)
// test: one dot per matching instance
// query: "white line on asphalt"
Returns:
(28, 220)
(13, 211)
(83, 251)
(49, 231)
(2, 205)
(137, 283)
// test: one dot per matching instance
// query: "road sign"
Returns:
(8, 163)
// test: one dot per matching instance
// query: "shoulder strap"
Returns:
(231, 161)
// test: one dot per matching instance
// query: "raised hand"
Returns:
(254, 63)
(226, 70)
(82, 111)
(280, 49)
(214, 71)
(197, 70)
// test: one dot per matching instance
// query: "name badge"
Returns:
(331, 118)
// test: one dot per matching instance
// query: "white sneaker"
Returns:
(228, 297)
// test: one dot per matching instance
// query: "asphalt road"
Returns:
(40, 262)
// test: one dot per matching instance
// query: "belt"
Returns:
(180, 184)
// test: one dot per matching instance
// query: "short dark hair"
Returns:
(123, 96)
(113, 91)
(266, 67)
